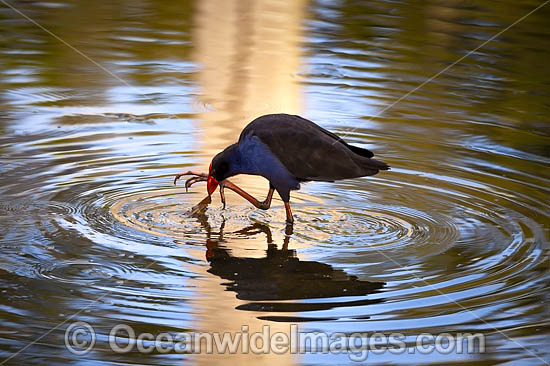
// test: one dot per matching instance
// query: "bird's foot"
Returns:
(289, 229)
(198, 177)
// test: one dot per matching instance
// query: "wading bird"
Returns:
(286, 150)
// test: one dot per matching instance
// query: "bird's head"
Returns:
(220, 169)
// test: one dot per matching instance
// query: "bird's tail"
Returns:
(366, 160)
(373, 164)
(361, 151)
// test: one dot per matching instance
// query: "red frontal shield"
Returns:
(211, 185)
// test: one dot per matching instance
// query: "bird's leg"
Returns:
(222, 195)
(267, 202)
(201, 177)
(289, 218)
(261, 205)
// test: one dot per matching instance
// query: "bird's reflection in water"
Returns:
(281, 275)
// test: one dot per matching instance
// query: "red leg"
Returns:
(262, 205)
(289, 218)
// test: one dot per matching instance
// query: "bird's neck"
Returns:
(251, 156)
(248, 156)
(244, 159)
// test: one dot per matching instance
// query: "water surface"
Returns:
(455, 238)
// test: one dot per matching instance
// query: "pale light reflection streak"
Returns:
(249, 53)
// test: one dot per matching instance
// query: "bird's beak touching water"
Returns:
(211, 185)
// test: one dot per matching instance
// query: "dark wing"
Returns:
(310, 152)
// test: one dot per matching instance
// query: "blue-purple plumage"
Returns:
(288, 149)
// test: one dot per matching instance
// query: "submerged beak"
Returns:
(211, 185)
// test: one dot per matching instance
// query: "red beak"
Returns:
(211, 185)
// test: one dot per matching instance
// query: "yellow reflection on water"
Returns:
(249, 53)
(249, 56)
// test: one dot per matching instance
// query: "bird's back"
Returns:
(308, 151)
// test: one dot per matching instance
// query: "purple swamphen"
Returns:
(286, 150)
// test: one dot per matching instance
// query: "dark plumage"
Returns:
(287, 150)
(309, 152)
